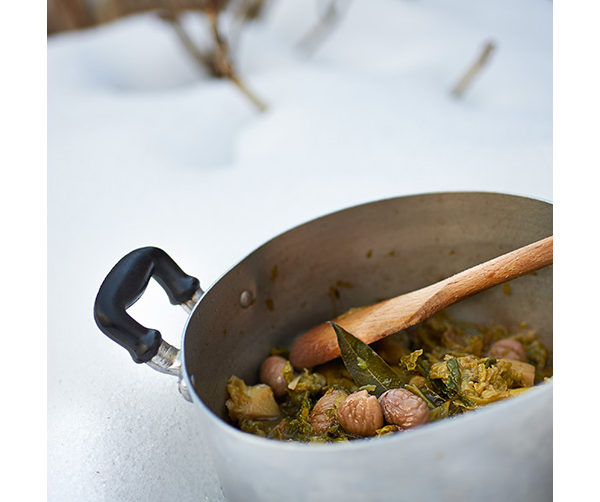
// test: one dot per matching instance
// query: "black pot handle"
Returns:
(125, 284)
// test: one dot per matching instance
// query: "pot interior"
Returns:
(358, 256)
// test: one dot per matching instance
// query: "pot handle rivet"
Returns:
(246, 298)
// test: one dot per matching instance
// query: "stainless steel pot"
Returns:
(315, 271)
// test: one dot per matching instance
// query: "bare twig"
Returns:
(224, 62)
(329, 19)
(244, 12)
(65, 15)
(76, 14)
(461, 86)
(203, 59)
(260, 105)
(248, 10)
(217, 61)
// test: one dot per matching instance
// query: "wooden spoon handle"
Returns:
(485, 275)
(374, 322)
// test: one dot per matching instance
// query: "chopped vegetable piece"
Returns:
(250, 402)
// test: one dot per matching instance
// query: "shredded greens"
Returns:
(444, 362)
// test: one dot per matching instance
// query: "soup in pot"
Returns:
(438, 369)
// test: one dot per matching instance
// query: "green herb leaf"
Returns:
(490, 361)
(364, 364)
(410, 361)
(441, 411)
(387, 430)
(454, 377)
(415, 390)
(368, 388)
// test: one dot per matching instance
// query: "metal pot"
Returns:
(315, 271)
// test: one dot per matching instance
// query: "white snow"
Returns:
(143, 149)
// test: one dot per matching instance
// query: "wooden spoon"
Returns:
(374, 322)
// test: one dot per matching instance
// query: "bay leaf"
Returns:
(454, 376)
(364, 364)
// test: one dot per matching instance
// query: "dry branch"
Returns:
(66, 15)
(216, 61)
(328, 20)
(461, 86)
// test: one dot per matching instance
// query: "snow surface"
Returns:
(145, 150)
